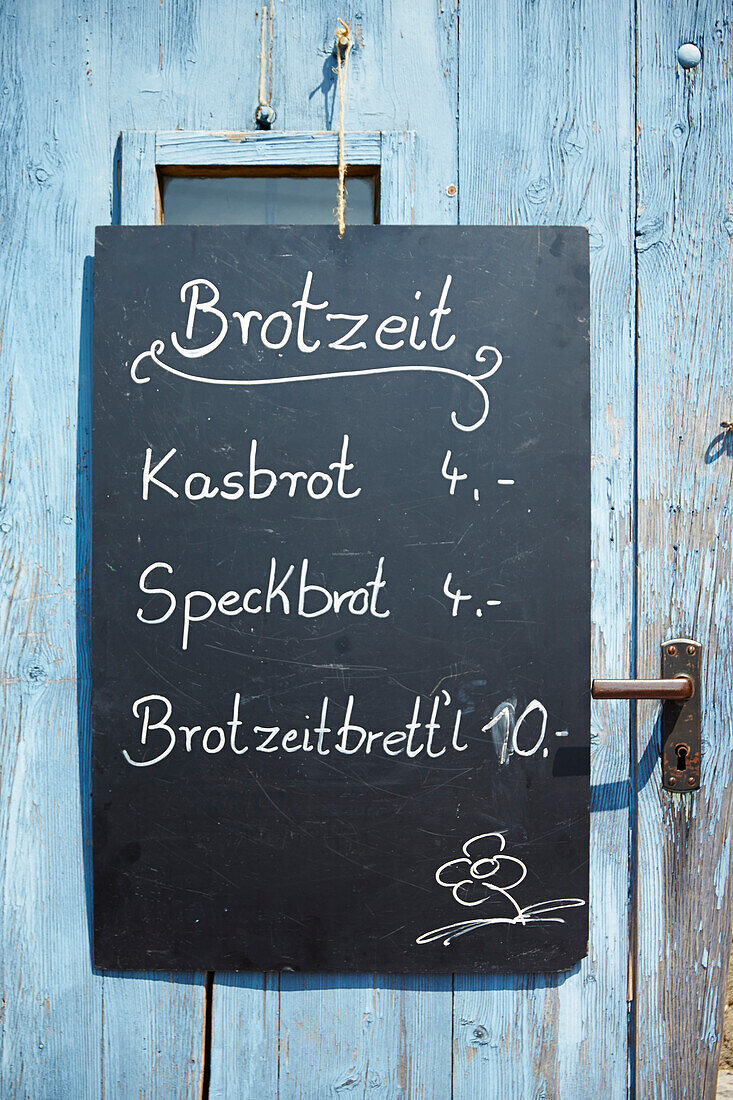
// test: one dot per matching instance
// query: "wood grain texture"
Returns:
(245, 1036)
(265, 148)
(139, 198)
(547, 133)
(545, 137)
(373, 1035)
(403, 75)
(48, 996)
(398, 177)
(58, 172)
(685, 273)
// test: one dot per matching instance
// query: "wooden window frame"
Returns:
(148, 156)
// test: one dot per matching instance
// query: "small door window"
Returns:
(290, 196)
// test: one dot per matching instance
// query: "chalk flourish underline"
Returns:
(158, 346)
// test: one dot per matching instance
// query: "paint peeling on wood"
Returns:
(684, 588)
(546, 130)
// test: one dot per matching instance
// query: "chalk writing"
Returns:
(485, 873)
(340, 545)
(392, 325)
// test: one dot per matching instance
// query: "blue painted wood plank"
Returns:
(373, 1035)
(402, 76)
(139, 198)
(386, 1036)
(263, 147)
(49, 1045)
(545, 137)
(400, 163)
(153, 1042)
(685, 266)
(245, 1036)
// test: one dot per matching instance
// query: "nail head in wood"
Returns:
(689, 55)
(265, 115)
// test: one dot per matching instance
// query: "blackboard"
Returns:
(341, 598)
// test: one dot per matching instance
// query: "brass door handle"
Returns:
(679, 688)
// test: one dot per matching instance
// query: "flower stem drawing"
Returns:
(483, 872)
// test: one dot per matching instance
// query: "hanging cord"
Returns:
(265, 114)
(343, 42)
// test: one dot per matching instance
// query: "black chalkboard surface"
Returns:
(341, 598)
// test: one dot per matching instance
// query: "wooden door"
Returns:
(531, 112)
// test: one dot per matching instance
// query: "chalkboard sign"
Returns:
(341, 598)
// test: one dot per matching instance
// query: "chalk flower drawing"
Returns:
(483, 872)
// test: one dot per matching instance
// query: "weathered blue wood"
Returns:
(152, 1035)
(403, 75)
(547, 131)
(397, 178)
(245, 1036)
(138, 198)
(258, 147)
(545, 137)
(50, 1001)
(58, 185)
(366, 1035)
(371, 1035)
(685, 270)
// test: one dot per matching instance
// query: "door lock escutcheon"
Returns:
(679, 690)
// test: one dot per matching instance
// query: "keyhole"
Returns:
(682, 751)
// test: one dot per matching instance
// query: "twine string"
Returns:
(265, 111)
(343, 42)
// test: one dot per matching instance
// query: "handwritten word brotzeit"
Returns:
(276, 330)
(293, 329)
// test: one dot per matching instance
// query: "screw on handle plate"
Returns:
(681, 736)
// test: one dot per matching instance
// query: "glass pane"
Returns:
(264, 200)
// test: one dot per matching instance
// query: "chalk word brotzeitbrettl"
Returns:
(434, 728)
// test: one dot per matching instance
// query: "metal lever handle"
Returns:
(680, 688)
